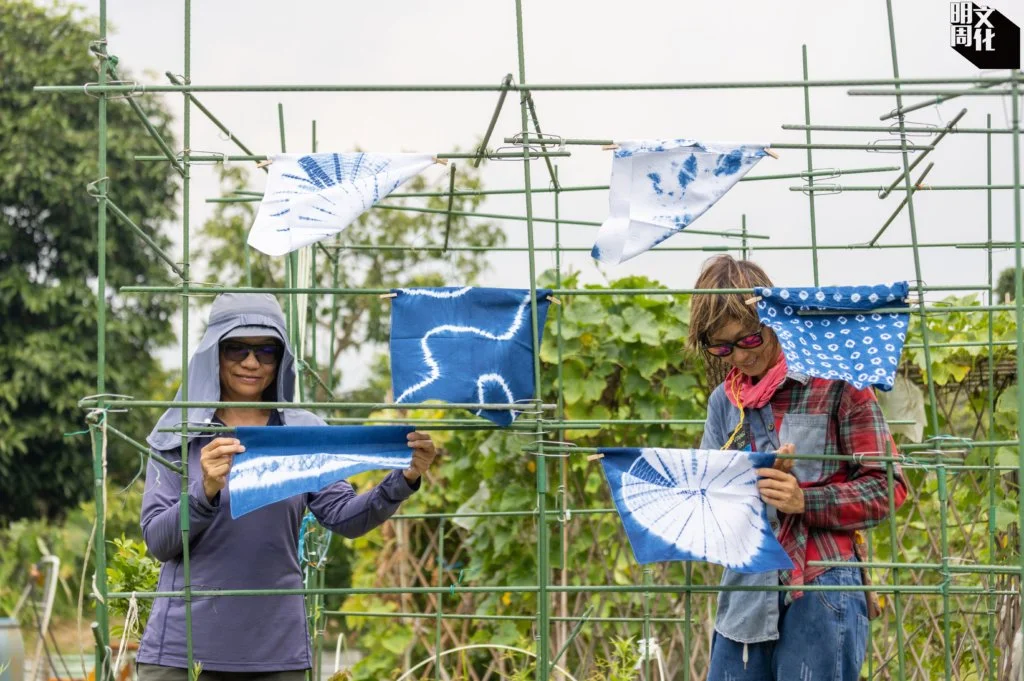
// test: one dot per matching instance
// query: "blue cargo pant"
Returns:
(822, 637)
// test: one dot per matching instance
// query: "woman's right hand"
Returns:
(215, 459)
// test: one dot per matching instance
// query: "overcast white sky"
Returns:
(474, 42)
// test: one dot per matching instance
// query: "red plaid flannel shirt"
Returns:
(849, 495)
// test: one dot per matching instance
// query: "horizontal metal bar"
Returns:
(555, 588)
(963, 569)
(232, 158)
(894, 129)
(189, 404)
(503, 618)
(963, 344)
(833, 188)
(142, 88)
(930, 309)
(827, 172)
(523, 218)
(930, 93)
(714, 291)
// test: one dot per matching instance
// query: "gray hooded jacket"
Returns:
(256, 551)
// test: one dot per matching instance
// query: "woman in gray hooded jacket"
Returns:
(244, 356)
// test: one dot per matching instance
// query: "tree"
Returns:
(48, 249)
(357, 321)
(1006, 285)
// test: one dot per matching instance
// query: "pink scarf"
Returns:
(743, 392)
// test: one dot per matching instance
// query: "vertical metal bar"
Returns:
(688, 628)
(646, 646)
(810, 168)
(438, 620)
(543, 606)
(560, 402)
(991, 414)
(100, 547)
(1019, 310)
(894, 552)
(186, 260)
(743, 236)
(946, 632)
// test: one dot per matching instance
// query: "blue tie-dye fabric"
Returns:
(694, 504)
(310, 197)
(850, 343)
(465, 345)
(659, 187)
(282, 461)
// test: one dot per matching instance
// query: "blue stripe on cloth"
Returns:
(282, 461)
(465, 345)
(694, 504)
(852, 344)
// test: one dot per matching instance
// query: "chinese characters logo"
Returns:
(984, 36)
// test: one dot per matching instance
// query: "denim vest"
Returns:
(753, 616)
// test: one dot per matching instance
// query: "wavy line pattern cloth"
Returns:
(851, 342)
(310, 197)
(282, 461)
(465, 345)
(694, 504)
(659, 187)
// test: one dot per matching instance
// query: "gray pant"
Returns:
(155, 672)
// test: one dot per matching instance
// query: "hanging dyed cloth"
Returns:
(310, 197)
(658, 187)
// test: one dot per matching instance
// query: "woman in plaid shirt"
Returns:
(815, 507)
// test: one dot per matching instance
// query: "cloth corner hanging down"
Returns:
(310, 197)
(836, 333)
(659, 187)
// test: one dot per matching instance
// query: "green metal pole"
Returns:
(99, 474)
(1019, 309)
(441, 566)
(894, 549)
(810, 169)
(563, 464)
(991, 415)
(183, 500)
(543, 604)
(743, 232)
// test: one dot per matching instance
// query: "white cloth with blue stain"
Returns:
(310, 197)
(694, 504)
(658, 187)
(850, 342)
(465, 345)
(280, 462)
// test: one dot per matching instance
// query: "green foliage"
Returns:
(131, 569)
(48, 251)
(1006, 285)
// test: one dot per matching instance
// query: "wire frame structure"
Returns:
(969, 609)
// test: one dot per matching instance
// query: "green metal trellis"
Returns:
(933, 458)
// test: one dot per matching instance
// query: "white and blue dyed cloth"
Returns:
(694, 504)
(850, 342)
(465, 345)
(310, 197)
(280, 462)
(659, 187)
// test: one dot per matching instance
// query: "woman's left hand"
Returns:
(781, 490)
(423, 453)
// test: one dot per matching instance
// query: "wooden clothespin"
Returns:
(609, 147)
(264, 163)
(554, 300)
(388, 295)
(442, 161)
(751, 301)
(771, 153)
(595, 457)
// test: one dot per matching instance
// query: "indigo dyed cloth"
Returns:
(280, 462)
(694, 504)
(659, 187)
(851, 343)
(310, 197)
(465, 345)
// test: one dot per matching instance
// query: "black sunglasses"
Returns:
(754, 340)
(266, 353)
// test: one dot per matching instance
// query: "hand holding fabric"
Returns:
(779, 487)
(216, 459)
(423, 454)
